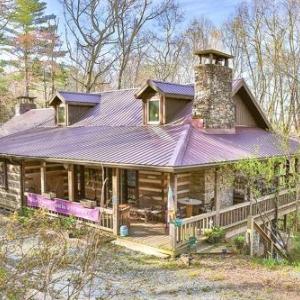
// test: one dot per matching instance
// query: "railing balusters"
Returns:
(230, 216)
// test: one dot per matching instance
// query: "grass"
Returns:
(272, 263)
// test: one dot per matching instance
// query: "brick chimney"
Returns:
(213, 101)
(24, 104)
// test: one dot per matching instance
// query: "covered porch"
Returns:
(103, 196)
(147, 201)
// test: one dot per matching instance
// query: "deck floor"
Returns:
(150, 234)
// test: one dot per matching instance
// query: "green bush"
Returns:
(295, 251)
(67, 222)
(214, 235)
(239, 242)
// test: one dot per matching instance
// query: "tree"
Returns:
(264, 37)
(90, 39)
(131, 18)
(51, 51)
(166, 44)
(269, 176)
(22, 36)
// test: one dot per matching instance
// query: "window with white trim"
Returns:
(153, 111)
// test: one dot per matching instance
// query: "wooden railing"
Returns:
(230, 217)
(234, 214)
(106, 218)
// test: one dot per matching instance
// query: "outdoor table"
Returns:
(189, 205)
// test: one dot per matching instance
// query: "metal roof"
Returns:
(174, 88)
(111, 132)
(32, 118)
(159, 146)
(115, 108)
(75, 97)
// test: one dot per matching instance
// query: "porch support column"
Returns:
(217, 196)
(172, 210)
(115, 199)
(172, 184)
(82, 183)
(71, 183)
(43, 177)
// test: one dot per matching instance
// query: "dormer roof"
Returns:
(75, 98)
(172, 90)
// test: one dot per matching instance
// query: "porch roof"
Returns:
(173, 146)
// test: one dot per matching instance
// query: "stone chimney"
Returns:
(213, 101)
(24, 104)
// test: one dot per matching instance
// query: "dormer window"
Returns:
(61, 115)
(70, 107)
(153, 111)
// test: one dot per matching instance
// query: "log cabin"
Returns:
(144, 157)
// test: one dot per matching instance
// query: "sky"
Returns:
(216, 10)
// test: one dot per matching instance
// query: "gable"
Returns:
(243, 115)
(249, 112)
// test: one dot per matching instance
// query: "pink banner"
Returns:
(64, 207)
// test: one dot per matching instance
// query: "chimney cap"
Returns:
(215, 53)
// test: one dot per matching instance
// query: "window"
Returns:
(3, 175)
(153, 111)
(61, 115)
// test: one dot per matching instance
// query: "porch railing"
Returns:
(98, 216)
(228, 217)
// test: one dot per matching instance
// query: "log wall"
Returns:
(11, 195)
(152, 189)
(56, 178)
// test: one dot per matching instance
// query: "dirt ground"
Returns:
(111, 272)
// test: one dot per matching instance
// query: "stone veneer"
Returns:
(203, 187)
(213, 100)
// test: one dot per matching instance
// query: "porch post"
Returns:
(43, 177)
(172, 210)
(115, 199)
(82, 183)
(172, 184)
(71, 190)
(217, 196)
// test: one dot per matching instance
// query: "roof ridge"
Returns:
(181, 146)
(168, 82)
(118, 90)
(82, 93)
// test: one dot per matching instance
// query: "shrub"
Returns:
(67, 222)
(239, 242)
(214, 235)
(295, 251)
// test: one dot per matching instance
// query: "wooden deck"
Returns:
(151, 234)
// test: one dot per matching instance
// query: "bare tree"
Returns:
(131, 17)
(166, 44)
(200, 34)
(90, 39)
(264, 36)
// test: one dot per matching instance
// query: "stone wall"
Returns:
(213, 101)
(203, 186)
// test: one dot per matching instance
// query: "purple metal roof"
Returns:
(80, 97)
(111, 132)
(43, 117)
(106, 144)
(160, 146)
(245, 143)
(115, 108)
(175, 88)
